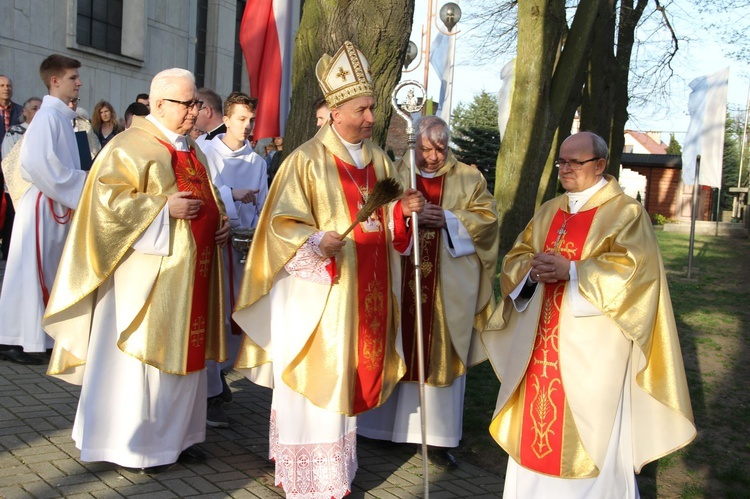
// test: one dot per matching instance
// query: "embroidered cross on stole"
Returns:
(549, 439)
(373, 288)
(191, 176)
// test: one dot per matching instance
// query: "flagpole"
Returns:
(735, 203)
(405, 111)
(693, 216)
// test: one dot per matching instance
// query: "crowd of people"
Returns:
(152, 255)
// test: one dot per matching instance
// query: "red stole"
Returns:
(373, 286)
(542, 438)
(191, 176)
(429, 252)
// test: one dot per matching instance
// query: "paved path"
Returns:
(39, 459)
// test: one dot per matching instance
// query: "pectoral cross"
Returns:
(561, 232)
(545, 363)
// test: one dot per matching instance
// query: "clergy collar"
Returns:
(178, 141)
(59, 105)
(578, 199)
(355, 150)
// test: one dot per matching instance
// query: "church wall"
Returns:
(157, 34)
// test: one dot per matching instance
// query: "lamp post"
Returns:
(450, 15)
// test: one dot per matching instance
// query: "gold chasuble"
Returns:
(347, 361)
(192, 177)
(170, 311)
(563, 376)
(451, 285)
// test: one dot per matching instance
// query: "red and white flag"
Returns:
(267, 38)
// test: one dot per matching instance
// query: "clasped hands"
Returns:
(245, 195)
(412, 201)
(182, 206)
(550, 268)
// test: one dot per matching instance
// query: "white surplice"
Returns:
(50, 161)
(240, 169)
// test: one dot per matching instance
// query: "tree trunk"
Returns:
(629, 18)
(543, 85)
(380, 28)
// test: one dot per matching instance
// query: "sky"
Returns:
(703, 53)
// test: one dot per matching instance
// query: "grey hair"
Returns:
(598, 144)
(164, 82)
(433, 129)
(30, 100)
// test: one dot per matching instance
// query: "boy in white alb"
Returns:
(50, 162)
(239, 174)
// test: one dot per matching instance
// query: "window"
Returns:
(99, 24)
(238, 57)
(201, 30)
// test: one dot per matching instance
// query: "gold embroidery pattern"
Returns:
(205, 262)
(566, 248)
(198, 332)
(343, 73)
(544, 412)
(543, 415)
(374, 336)
(425, 265)
(195, 180)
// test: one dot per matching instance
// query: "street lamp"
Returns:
(450, 14)
(411, 53)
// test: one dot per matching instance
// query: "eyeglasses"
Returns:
(77, 99)
(573, 164)
(190, 104)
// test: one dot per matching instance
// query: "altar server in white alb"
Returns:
(458, 235)
(239, 174)
(50, 162)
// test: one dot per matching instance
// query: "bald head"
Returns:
(582, 160)
(6, 90)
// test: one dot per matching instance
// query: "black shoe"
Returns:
(226, 392)
(151, 470)
(442, 458)
(17, 355)
(215, 415)
(192, 455)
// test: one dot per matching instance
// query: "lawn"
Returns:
(713, 318)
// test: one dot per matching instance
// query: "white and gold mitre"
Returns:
(344, 76)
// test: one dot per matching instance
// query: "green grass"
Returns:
(712, 311)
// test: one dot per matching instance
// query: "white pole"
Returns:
(735, 204)
(693, 216)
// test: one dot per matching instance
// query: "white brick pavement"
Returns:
(38, 458)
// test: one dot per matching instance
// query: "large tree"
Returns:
(475, 135)
(380, 28)
(571, 57)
